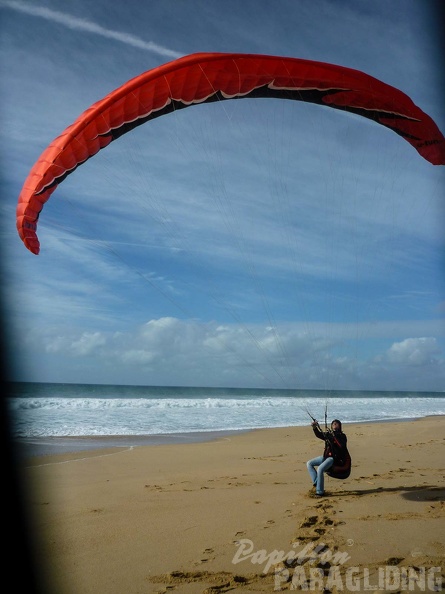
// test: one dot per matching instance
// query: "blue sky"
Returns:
(253, 243)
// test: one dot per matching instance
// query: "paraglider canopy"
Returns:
(210, 77)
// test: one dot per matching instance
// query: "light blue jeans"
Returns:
(317, 476)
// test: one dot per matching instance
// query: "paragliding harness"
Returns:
(341, 469)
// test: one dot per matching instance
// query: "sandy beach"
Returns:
(237, 514)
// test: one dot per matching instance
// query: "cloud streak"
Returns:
(77, 24)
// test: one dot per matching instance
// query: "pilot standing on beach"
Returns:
(335, 447)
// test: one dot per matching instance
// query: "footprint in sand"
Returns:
(238, 535)
(308, 522)
(324, 506)
(154, 487)
(207, 553)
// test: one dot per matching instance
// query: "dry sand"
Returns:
(172, 518)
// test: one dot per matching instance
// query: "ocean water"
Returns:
(41, 410)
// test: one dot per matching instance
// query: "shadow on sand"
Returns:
(417, 493)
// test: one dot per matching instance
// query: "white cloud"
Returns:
(189, 352)
(138, 357)
(414, 351)
(87, 343)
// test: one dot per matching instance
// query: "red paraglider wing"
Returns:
(208, 77)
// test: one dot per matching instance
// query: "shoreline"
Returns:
(33, 447)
